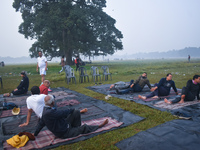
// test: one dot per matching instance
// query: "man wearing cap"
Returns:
(63, 123)
(22, 87)
(42, 64)
(35, 103)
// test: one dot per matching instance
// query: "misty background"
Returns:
(151, 29)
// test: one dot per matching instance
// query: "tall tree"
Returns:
(68, 27)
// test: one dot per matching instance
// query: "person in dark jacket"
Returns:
(189, 93)
(162, 88)
(137, 85)
(63, 123)
(22, 87)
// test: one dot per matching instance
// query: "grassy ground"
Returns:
(121, 71)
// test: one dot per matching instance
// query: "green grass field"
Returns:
(121, 71)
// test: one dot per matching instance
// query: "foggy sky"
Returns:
(147, 26)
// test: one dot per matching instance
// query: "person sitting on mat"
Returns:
(22, 87)
(44, 87)
(137, 85)
(63, 123)
(35, 103)
(162, 88)
(189, 93)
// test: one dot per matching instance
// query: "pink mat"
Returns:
(46, 138)
(162, 104)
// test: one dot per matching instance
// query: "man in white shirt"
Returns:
(35, 103)
(42, 64)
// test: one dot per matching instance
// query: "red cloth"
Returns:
(43, 89)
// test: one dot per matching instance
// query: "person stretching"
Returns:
(189, 93)
(63, 123)
(137, 85)
(162, 88)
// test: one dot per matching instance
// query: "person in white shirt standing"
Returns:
(42, 64)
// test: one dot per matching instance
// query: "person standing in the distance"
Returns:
(42, 64)
(62, 64)
(188, 58)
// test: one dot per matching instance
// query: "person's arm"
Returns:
(39, 127)
(46, 65)
(37, 67)
(198, 95)
(27, 119)
(174, 87)
(148, 83)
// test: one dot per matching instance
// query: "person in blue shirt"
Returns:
(63, 123)
(162, 88)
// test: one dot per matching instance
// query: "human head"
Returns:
(23, 73)
(40, 53)
(144, 74)
(35, 90)
(49, 100)
(196, 78)
(169, 76)
(46, 83)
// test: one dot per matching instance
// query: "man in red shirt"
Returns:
(44, 87)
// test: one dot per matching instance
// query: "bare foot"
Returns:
(83, 110)
(104, 123)
(166, 101)
(181, 101)
(6, 95)
(155, 97)
(142, 97)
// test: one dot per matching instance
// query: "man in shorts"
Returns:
(42, 64)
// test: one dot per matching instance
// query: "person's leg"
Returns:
(152, 94)
(124, 91)
(74, 119)
(18, 92)
(42, 73)
(162, 91)
(43, 78)
(137, 88)
(84, 129)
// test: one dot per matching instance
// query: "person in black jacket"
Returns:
(63, 123)
(189, 93)
(22, 87)
(162, 88)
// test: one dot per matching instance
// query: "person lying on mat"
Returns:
(189, 93)
(162, 88)
(137, 85)
(35, 103)
(63, 123)
(44, 87)
(22, 87)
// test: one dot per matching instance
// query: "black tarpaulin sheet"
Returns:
(100, 109)
(190, 108)
(176, 134)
